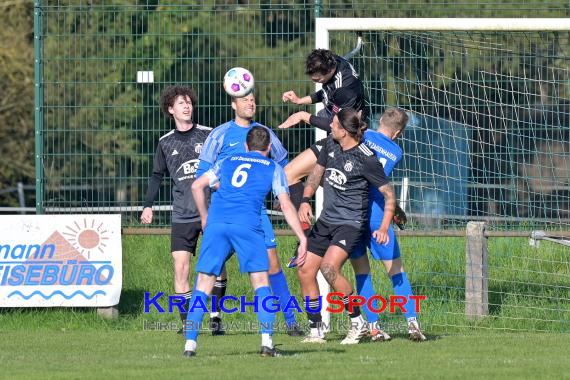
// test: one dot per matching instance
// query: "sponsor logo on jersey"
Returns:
(319, 147)
(331, 154)
(189, 169)
(174, 152)
(336, 177)
(234, 144)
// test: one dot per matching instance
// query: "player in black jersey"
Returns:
(347, 166)
(341, 89)
(177, 156)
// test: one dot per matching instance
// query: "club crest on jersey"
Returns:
(348, 166)
(198, 148)
(336, 177)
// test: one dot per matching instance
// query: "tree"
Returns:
(16, 99)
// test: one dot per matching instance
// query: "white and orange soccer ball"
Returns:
(238, 82)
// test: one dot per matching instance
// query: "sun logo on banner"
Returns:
(86, 237)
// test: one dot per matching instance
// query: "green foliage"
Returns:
(16, 99)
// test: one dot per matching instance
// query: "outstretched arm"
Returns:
(311, 186)
(291, 96)
(296, 118)
(323, 123)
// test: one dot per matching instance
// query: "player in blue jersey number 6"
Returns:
(229, 139)
(233, 223)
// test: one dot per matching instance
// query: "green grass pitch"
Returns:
(525, 335)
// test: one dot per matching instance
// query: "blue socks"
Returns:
(194, 318)
(281, 290)
(264, 317)
(365, 289)
(402, 287)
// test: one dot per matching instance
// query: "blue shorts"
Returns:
(390, 251)
(269, 235)
(219, 242)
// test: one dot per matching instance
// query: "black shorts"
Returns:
(184, 236)
(318, 146)
(323, 235)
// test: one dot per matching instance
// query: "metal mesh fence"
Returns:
(488, 137)
(97, 126)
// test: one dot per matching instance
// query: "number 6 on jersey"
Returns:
(240, 175)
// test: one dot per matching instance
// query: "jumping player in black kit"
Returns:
(347, 166)
(341, 89)
(177, 155)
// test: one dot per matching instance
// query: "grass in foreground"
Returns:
(128, 354)
(528, 291)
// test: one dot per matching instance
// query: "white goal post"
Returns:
(324, 25)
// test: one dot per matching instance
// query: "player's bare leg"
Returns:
(307, 274)
(300, 167)
(181, 263)
(331, 267)
(297, 169)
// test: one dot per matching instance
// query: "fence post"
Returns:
(111, 312)
(39, 104)
(476, 272)
(21, 197)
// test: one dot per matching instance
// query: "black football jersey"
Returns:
(343, 90)
(177, 156)
(346, 181)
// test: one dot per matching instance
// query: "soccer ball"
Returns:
(238, 82)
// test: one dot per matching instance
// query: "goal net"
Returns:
(488, 140)
(489, 106)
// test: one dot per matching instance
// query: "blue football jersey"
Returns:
(245, 179)
(389, 154)
(229, 139)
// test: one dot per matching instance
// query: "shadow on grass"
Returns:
(44, 310)
(132, 302)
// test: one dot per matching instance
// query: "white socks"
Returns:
(190, 345)
(266, 340)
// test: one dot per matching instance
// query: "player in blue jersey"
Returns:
(233, 224)
(382, 143)
(229, 139)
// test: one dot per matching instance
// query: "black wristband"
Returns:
(306, 200)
